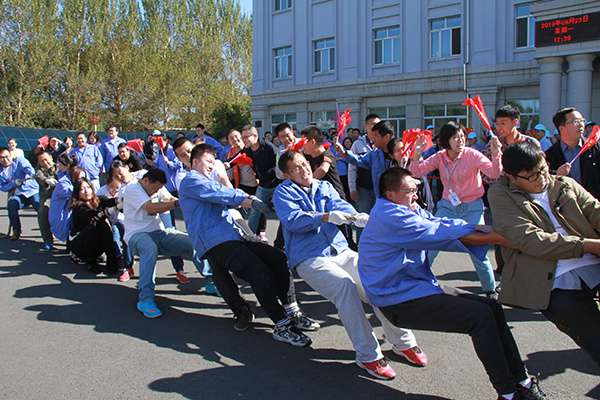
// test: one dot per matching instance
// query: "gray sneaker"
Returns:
(287, 333)
(302, 322)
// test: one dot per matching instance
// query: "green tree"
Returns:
(229, 116)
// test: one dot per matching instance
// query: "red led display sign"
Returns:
(579, 28)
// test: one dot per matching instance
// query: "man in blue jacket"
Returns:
(214, 235)
(397, 277)
(109, 148)
(309, 210)
(17, 178)
(89, 158)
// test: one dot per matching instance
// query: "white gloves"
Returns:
(361, 220)
(339, 217)
(51, 182)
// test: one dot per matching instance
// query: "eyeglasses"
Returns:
(247, 136)
(535, 176)
(299, 168)
(409, 191)
(579, 121)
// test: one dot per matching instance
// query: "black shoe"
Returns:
(93, 268)
(243, 318)
(532, 393)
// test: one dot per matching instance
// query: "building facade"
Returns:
(414, 62)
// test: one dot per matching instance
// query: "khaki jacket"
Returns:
(529, 271)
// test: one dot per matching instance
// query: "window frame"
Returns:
(399, 121)
(530, 27)
(440, 32)
(394, 46)
(282, 5)
(318, 53)
(285, 58)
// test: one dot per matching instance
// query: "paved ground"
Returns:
(65, 334)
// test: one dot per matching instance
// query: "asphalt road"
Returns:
(67, 334)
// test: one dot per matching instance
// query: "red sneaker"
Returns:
(379, 369)
(182, 278)
(414, 356)
(131, 272)
(124, 276)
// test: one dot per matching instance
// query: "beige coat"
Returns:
(529, 271)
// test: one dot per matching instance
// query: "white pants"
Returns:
(336, 278)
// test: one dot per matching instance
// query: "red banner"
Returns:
(477, 105)
(135, 145)
(242, 158)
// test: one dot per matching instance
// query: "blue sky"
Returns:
(246, 5)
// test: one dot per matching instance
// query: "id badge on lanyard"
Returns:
(452, 196)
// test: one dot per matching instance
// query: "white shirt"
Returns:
(570, 264)
(136, 218)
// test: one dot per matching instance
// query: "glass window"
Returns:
(396, 115)
(283, 62)
(387, 45)
(276, 119)
(530, 113)
(282, 4)
(439, 114)
(525, 27)
(324, 55)
(325, 120)
(445, 37)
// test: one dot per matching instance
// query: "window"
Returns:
(530, 113)
(445, 37)
(276, 119)
(438, 115)
(323, 119)
(387, 45)
(396, 115)
(282, 4)
(283, 62)
(324, 55)
(525, 27)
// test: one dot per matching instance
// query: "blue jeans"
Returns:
(147, 245)
(265, 195)
(16, 203)
(364, 203)
(118, 230)
(473, 214)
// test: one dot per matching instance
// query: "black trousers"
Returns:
(262, 266)
(93, 241)
(483, 319)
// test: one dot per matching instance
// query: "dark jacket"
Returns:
(589, 162)
(264, 161)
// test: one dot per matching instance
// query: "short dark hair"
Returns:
(44, 152)
(200, 149)
(281, 127)
(2, 148)
(391, 179)
(114, 126)
(508, 111)
(68, 160)
(560, 118)
(286, 157)
(384, 128)
(200, 126)
(121, 145)
(82, 133)
(114, 165)
(156, 175)
(371, 116)
(312, 132)
(179, 142)
(449, 129)
(521, 156)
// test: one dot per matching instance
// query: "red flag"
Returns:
(589, 142)
(159, 141)
(298, 146)
(327, 144)
(469, 130)
(477, 105)
(135, 145)
(345, 120)
(411, 146)
(409, 137)
(44, 141)
(241, 158)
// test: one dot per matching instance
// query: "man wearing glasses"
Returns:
(553, 223)
(571, 126)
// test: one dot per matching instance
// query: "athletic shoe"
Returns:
(48, 246)
(182, 278)
(263, 238)
(380, 369)
(532, 393)
(492, 294)
(212, 289)
(76, 260)
(414, 355)
(302, 322)
(149, 309)
(93, 268)
(131, 272)
(243, 318)
(124, 277)
(285, 333)
(15, 236)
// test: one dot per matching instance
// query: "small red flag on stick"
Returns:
(43, 141)
(242, 158)
(477, 105)
(135, 145)
(342, 122)
(589, 142)
(298, 146)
